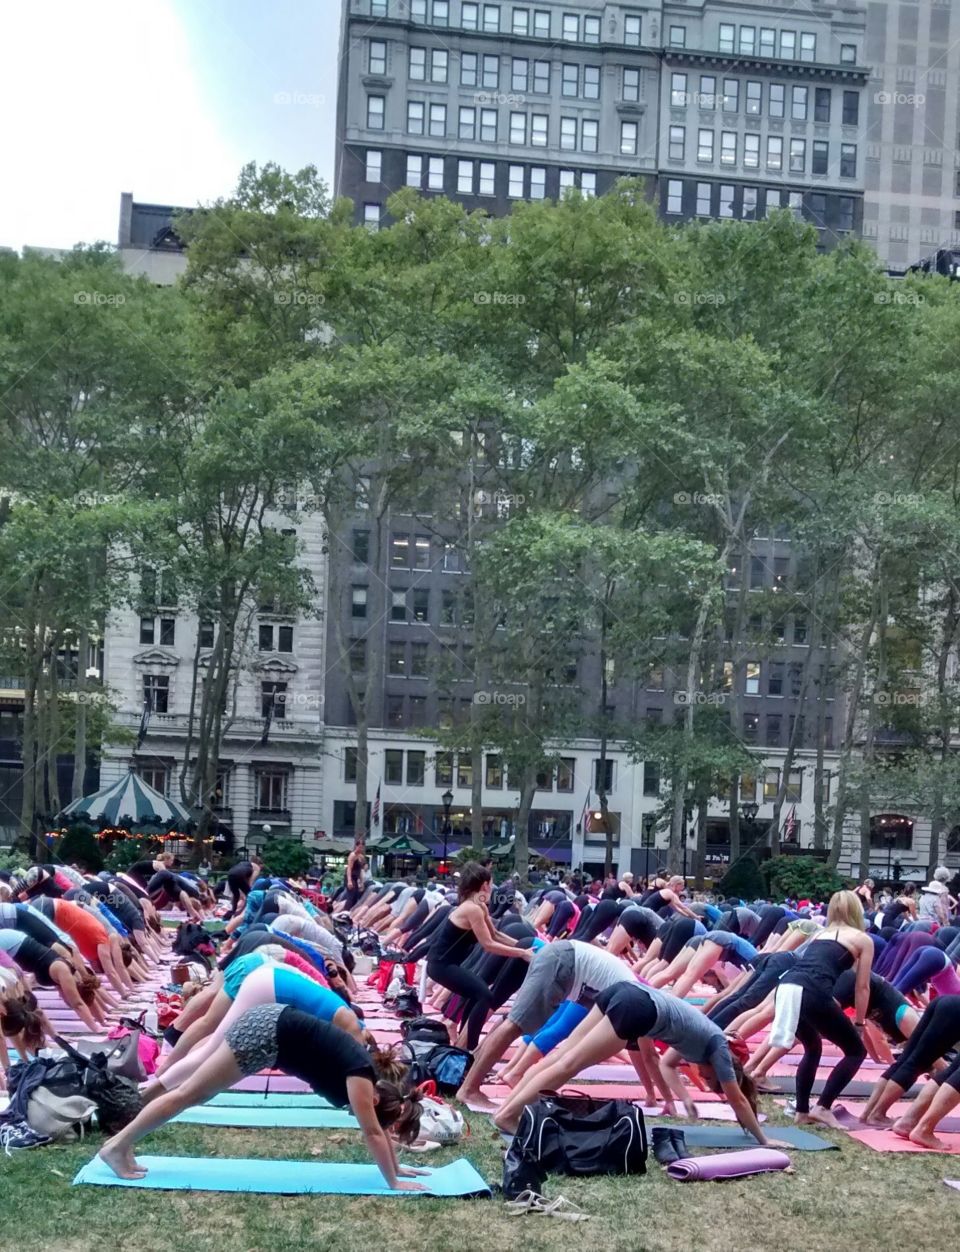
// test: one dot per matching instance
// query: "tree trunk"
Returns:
(476, 796)
(947, 644)
(521, 846)
(52, 736)
(601, 787)
(80, 726)
(854, 691)
(700, 856)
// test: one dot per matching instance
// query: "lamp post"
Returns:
(447, 799)
(890, 838)
(649, 824)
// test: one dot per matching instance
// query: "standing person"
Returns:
(468, 924)
(806, 1008)
(934, 904)
(356, 869)
(865, 892)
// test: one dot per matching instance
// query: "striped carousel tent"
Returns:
(129, 804)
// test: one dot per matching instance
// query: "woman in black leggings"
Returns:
(466, 925)
(937, 1033)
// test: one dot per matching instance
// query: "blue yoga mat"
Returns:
(268, 1100)
(737, 1137)
(270, 1117)
(186, 1173)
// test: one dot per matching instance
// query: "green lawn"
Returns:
(855, 1198)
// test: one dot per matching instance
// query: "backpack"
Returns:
(424, 1030)
(440, 1122)
(117, 1099)
(59, 1117)
(407, 1004)
(574, 1135)
(446, 1065)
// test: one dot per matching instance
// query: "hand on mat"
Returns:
(408, 1186)
(777, 1143)
(405, 1171)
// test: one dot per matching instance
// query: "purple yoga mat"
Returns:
(728, 1165)
(827, 1062)
(850, 1121)
(260, 1082)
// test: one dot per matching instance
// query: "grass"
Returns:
(852, 1198)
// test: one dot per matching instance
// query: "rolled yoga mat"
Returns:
(728, 1165)
(270, 1117)
(186, 1173)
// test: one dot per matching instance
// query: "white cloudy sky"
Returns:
(164, 98)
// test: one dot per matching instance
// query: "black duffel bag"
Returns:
(424, 1030)
(574, 1135)
(117, 1099)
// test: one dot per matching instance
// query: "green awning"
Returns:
(397, 845)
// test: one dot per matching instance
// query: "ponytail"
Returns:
(387, 1064)
(398, 1111)
(87, 985)
(20, 1017)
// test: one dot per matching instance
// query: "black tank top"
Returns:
(652, 900)
(820, 966)
(451, 944)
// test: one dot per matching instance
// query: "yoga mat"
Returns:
(951, 1183)
(788, 1086)
(736, 1137)
(887, 1141)
(794, 1059)
(261, 1082)
(269, 1117)
(185, 1173)
(849, 1117)
(267, 1100)
(728, 1165)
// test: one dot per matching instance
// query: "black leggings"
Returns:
(770, 917)
(561, 918)
(937, 1032)
(676, 935)
(602, 918)
(416, 918)
(752, 994)
(822, 1018)
(474, 991)
(419, 942)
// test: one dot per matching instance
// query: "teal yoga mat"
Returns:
(270, 1117)
(268, 1100)
(736, 1137)
(186, 1173)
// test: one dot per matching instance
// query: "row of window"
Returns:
(727, 98)
(768, 42)
(456, 769)
(432, 65)
(270, 785)
(523, 182)
(750, 203)
(729, 148)
(163, 630)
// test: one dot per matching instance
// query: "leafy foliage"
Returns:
(801, 878)
(287, 858)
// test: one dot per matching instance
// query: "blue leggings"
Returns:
(920, 969)
(558, 1027)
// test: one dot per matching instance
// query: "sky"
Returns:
(167, 99)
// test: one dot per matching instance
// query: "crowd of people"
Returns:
(578, 973)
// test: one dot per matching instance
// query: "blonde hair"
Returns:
(845, 909)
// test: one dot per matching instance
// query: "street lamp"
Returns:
(649, 824)
(890, 838)
(447, 799)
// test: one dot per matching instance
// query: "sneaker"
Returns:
(19, 1136)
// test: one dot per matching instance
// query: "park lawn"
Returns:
(852, 1198)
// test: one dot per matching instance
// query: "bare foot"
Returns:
(877, 1122)
(122, 1161)
(903, 1128)
(825, 1117)
(479, 1102)
(927, 1139)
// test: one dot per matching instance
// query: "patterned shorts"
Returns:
(253, 1038)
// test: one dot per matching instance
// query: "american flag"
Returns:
(585, 813)
(790, 826)
(376, 808)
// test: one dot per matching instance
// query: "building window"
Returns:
(771, 784)
(752, 687)
(818, 209)
(521, 21)
(821, 157)
(630, 91)
(491, 18)
(438, 120)
(798, 155)
(728, 34)
(767, 44)
(628, 138)
(441, 12)
(421, 604)
(751, 727)
(773, 200)
(570, 80)
(776, 98)
(156, 692)
(417, 65)
(414, 171)
(788, 44)
(371, 216)
(265, 641)
(515, 183)
(821, 104)
(731, 95)
(794, 792)
(705, 146)
(394, 715)
(373, 165)
(568, 179)
(376, 56)
(541, 77)
(443, 769)
(538, 182)
(465, 177)
(538, 130)
(754, 99)
(749, 207)
(851, 108)
(359, 602)
(271, 790)
(751, 152)
(421, 544)
(774, 152)
(588, 183)
(678, 36)
(726, 201)
(674, 196)
(591, 30)
(398, 606)
(464, 770)
(808, 46)
(631, 30)
(416, 768)
(651, 778)
(848, 54)
(469, 61)
(435, 173)
(518, 128)
(486, 181)
(541, 23)
(603, 777)
(589, 134)
(393, 766)
(728, 147)
(748, 38)
(678, 91)
(419, 653)
(703, 199)
(848, 160)
(708, 91)
(147, 629)
(488, 125)
(571, 28)
(798, 103)
(490, 75)
(358, 656)
(397, 659)
(378, 8)
(469, 16)
(467, 123)
(273, 699)
(438, 65)
(168, 629)
(568, 134)
(519, 74)
(415, 114)
(206, 632)
(846, 209)
(677, 142)
(375, 112)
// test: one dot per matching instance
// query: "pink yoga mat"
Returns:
(887, 1141)
(728, 1165)
(848, 1115)
(260, 1082)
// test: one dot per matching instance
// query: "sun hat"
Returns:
(935, 888)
